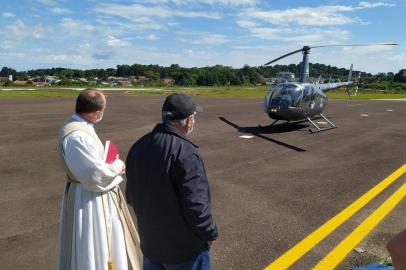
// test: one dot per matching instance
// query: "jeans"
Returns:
(200, 262)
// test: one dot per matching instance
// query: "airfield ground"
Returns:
(269, 192)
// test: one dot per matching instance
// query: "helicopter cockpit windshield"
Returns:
(284, 96)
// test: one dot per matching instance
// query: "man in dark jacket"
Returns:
(168, 188)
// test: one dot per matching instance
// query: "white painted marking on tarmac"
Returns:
(388, 110)
(246, 136)
(322, 123)
(14, 89)
(363, 115)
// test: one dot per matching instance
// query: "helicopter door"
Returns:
(307, 94)
(313, 95)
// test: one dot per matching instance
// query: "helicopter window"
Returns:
(294, 93)
(297, 94)
(307, 94)
(273, 91)
(291, 93)
(318, 98)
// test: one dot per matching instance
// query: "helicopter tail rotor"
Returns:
(350, 74)
(349, 89)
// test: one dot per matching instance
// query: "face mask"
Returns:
(189, 130)
(99, 118)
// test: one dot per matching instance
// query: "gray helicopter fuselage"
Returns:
(293, 101)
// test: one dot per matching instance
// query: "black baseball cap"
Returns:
(179, 106)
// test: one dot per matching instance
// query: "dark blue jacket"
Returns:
(168, 189)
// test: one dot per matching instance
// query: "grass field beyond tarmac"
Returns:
(249, 92)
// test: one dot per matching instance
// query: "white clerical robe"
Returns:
(96, 233)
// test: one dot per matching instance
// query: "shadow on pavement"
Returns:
(258, 131)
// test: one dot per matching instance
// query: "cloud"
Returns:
(317, 36)
(374, 5)
(103, 55)
(48, 2)
(57, 57)
(63, 59)
(74, 27)
(17, 32)
(227, 3)
(299, 35)
(172, 24)
(138, 13)
(328, 15)
(115, 42)
(247, 23)
(13, 54)
(151, 37)
(271, 33)
(305, 25)
(320, 16)
(92, 41)
(363, 58)
(399, 58)
(8, 15)
(58, 10)
(135, 17)
(53, 6)
(203, 38)
(101, 28)
(138, 24)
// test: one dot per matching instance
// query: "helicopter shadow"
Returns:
(278, 128)
(259, 130)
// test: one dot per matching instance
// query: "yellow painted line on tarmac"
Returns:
(301, 248)
(341, 250)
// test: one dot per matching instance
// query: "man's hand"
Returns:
(123, 170)
(117, 164)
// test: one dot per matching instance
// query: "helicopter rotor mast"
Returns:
(304, 69)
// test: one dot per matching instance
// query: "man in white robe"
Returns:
(96, 231)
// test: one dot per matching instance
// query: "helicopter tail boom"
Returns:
(330, 86)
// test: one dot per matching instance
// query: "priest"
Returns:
(96, 230)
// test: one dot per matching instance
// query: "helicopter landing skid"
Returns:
(319, 129)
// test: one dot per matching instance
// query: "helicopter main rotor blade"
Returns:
(333, 45)
(354, 45)
(283, 56)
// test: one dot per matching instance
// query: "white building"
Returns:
(285, 75)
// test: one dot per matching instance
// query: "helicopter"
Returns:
(304, 101)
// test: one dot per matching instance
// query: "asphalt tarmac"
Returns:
(269, 191)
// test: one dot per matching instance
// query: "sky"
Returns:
(195, 33)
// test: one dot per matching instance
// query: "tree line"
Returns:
(217, 75)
